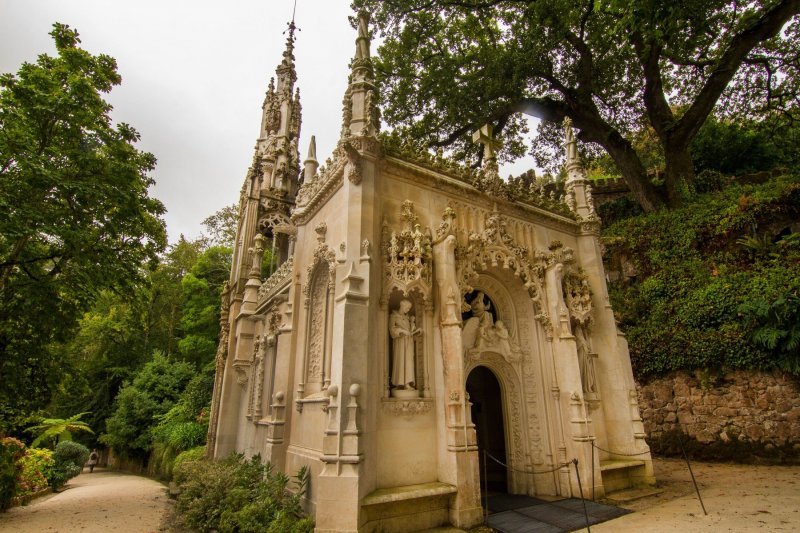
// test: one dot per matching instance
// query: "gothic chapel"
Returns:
(422, 332)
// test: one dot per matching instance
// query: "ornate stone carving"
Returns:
(408, 408)
(578, 299)
(481, 334)
(495, 247)
(316, 332)
(242, 369)
(326, 257)
(407, 256)
(257, 390)
(277, 280)
(354, 163)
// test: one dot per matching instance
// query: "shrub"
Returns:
(35, 467)
(195, 454)
(240, 495)
(11, 450)
(69, 460)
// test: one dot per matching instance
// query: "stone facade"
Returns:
(420, 315)
(760, 409)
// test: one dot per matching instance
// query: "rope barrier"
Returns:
(685, 457)
(535, 472)
(619, 453)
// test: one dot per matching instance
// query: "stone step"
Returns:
(619, 464)
(629, 495)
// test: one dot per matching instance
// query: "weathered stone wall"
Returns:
(756, 413)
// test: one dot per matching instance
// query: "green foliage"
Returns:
(637, 78)
(69, 459)
(184, 426)
(195, 454)
(240, 495)
(202, 287)
(153, 392)
(56, 429)
(11, 450)
(221, 226)
(36, 467)
(77, 215)
(708, 294)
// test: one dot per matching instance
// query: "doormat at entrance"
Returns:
(514, 513)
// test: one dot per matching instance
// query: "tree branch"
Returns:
(766, 27)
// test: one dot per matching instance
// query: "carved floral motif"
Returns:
(407, 255)
(408, 408)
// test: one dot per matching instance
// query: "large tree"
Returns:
(614, 67)
(77, 217)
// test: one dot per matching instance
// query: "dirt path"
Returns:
(737, 498)
(102, 501)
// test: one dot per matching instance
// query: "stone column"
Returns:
(573, 424)
(460, 463)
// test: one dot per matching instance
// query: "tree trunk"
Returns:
(678, 174)
(631, 168)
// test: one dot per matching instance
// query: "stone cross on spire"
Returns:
(485, 136)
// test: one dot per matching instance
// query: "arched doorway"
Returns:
(487, 415)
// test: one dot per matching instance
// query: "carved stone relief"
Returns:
(495, 247)
(407, 256)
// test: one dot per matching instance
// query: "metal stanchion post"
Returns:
(485, 491)
(580, 489)
(593, 484)
(689, 466)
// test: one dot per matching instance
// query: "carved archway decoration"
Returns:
(495, 247)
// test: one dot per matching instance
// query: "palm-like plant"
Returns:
(57, 429)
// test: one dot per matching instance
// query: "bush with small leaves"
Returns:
(240, 495)
(69, 458)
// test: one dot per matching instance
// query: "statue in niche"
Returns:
(482, 334)
(585, 360)
(403, 329)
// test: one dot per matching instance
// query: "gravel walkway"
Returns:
(101, 501)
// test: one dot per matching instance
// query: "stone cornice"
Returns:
(438, 181)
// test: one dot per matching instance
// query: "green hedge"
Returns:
(717, 281)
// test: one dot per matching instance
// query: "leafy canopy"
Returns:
(615, 67)
(77, 215)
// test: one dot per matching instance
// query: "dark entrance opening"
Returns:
(487, 415)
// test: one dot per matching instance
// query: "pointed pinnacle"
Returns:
(312, 149)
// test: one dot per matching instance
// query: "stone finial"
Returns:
(363, 41)
(570, 144)
(311, 164)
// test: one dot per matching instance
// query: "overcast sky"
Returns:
(194, 74)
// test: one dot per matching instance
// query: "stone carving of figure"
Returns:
(585, 360)
(402, 329)
(476, 325)
(482, 334)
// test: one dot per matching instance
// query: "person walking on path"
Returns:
(92, 460)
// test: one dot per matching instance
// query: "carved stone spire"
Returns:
(578, 189)
(272, 181)
(310, 164)
(361, 115)
(280, 130)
